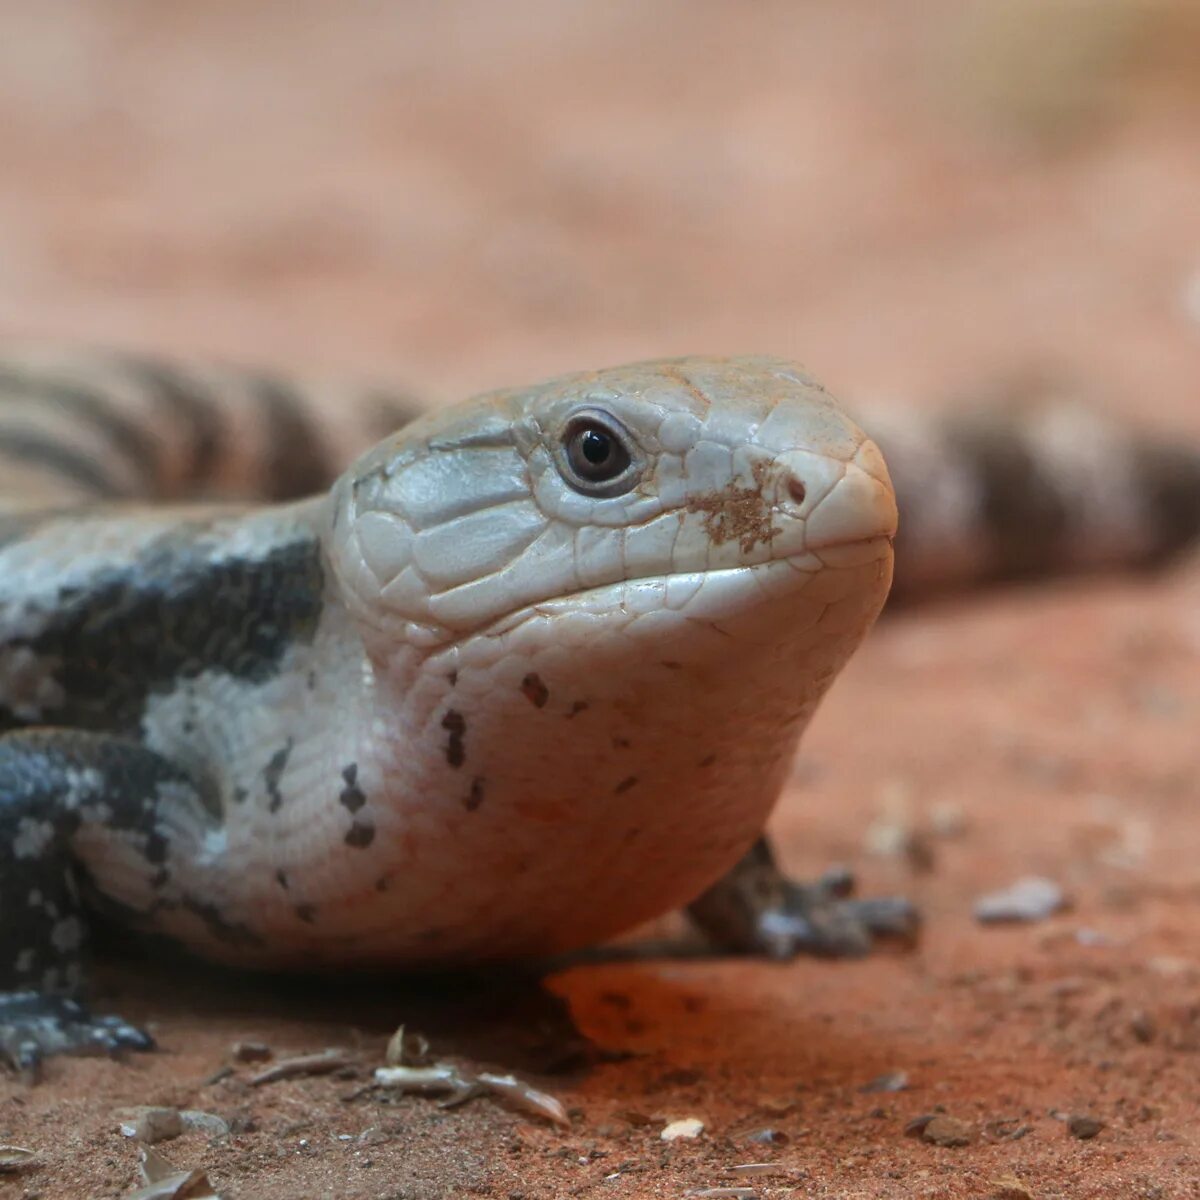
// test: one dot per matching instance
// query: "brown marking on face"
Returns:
(625, 784)
(738, 514)
(534, 690)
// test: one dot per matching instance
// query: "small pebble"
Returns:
(1030, 899)
(1143, 1026)
(251, 1052)
(151, 1125)
(204, 1122)
(948, 1131)
(685, 1130)
(1083, 1127)
(893, 1081)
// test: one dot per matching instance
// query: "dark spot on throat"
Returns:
(306, 913)
(273, 773)
(454, 724)
(576, 708)
(474, 797)
(535, 691)
(361, 835)
(352, 797)
(625, 784)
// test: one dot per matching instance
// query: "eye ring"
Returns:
(597, 456)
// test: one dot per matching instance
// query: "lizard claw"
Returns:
(756, 909)
(34, 1027)
(824, 919)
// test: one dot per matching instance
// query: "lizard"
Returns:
(530, 671)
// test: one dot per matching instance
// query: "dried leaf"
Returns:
(183, 1185)
(164, 1182)
(685, 1130)
(15, 1158)
(441, 1077)
(324, 1063)
(406, 1049)
(526, 1098)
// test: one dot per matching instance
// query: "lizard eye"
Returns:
(597, 456)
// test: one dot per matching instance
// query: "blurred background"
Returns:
(911, 198)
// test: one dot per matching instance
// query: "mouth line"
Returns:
(890, 538)
(510, 621)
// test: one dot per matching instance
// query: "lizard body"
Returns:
(532, 672)
(466, 705)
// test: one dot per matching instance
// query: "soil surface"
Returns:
(915, 199)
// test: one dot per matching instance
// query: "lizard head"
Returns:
(611, 602)
(650, 481)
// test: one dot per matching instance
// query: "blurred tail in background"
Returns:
(1029, 483)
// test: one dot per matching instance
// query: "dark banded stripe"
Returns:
(297, 462)
(183, 399)
(1169, 480)
(126, 436)
(26, 449)
(1025, 519)
(132, 631)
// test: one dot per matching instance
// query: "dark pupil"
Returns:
(595, 456)
(596, 447)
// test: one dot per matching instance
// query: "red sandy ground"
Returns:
(474, 194)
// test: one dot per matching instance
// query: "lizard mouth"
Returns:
(676, 591)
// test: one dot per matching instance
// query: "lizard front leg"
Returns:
(756, 909)
(59, 788)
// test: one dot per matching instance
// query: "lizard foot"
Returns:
(34, 1027)
(824, 919)
(756, 909)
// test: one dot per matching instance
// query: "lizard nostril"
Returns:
(796, 489)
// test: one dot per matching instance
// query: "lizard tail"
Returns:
(79, 425)
(1038, 485)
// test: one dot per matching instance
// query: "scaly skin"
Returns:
(465, 706)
